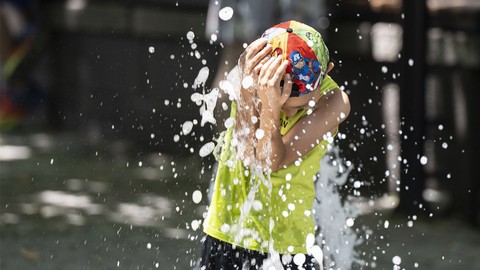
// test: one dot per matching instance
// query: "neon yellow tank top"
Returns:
(278, 218)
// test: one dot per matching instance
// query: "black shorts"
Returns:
(217, 255)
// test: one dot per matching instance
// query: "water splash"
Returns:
(201, 78)
(206, 101)
(334, 216)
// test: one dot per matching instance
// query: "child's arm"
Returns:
(329, 112)
(276, 151)
(255, 55)
(270, 148)
(245, 127)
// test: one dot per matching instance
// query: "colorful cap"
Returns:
(304, 48)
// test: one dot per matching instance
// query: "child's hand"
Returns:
(271, 93)
(251, 61)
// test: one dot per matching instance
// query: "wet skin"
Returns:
(267, 71)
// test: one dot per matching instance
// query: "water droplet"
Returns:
(259, 133)
(225, 228)
(350, 222)
(291, 206)
(317, 253)
(187, 127)
(190, 35)
(213, 37)
(226, 13)
(229, 122)
(151, 49)
(247, 82)
(197, 196)
(397, 260)
(257, 205)
(299, 259)
(206, 149)
(423, 160)
(149, 246)
(410, 62)
(357, 184)
(198, 55)
(201, 77)
(196, 224)
(384, 69)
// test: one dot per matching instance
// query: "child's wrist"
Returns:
(269, 119)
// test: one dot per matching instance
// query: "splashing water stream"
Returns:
(334, 217)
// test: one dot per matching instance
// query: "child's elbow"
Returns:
(342, 105)
(345, 105)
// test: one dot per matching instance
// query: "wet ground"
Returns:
(68, 202)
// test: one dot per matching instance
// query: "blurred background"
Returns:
(99, 168)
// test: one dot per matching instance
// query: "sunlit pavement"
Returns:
(70, 203)
(67, 203)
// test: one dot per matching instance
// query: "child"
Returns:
(285, 109)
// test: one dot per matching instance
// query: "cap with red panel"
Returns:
(304, 48)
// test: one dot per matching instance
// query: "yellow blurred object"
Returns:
(30, 254)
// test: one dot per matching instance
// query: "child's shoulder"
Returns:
(328, 84)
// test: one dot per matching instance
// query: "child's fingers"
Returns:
(264, 60)
(256, 70)
(258, 58)
(279, 73)
(272, 70)
(255, 47)
(251, 49)
(287, 86)
(265, 69)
